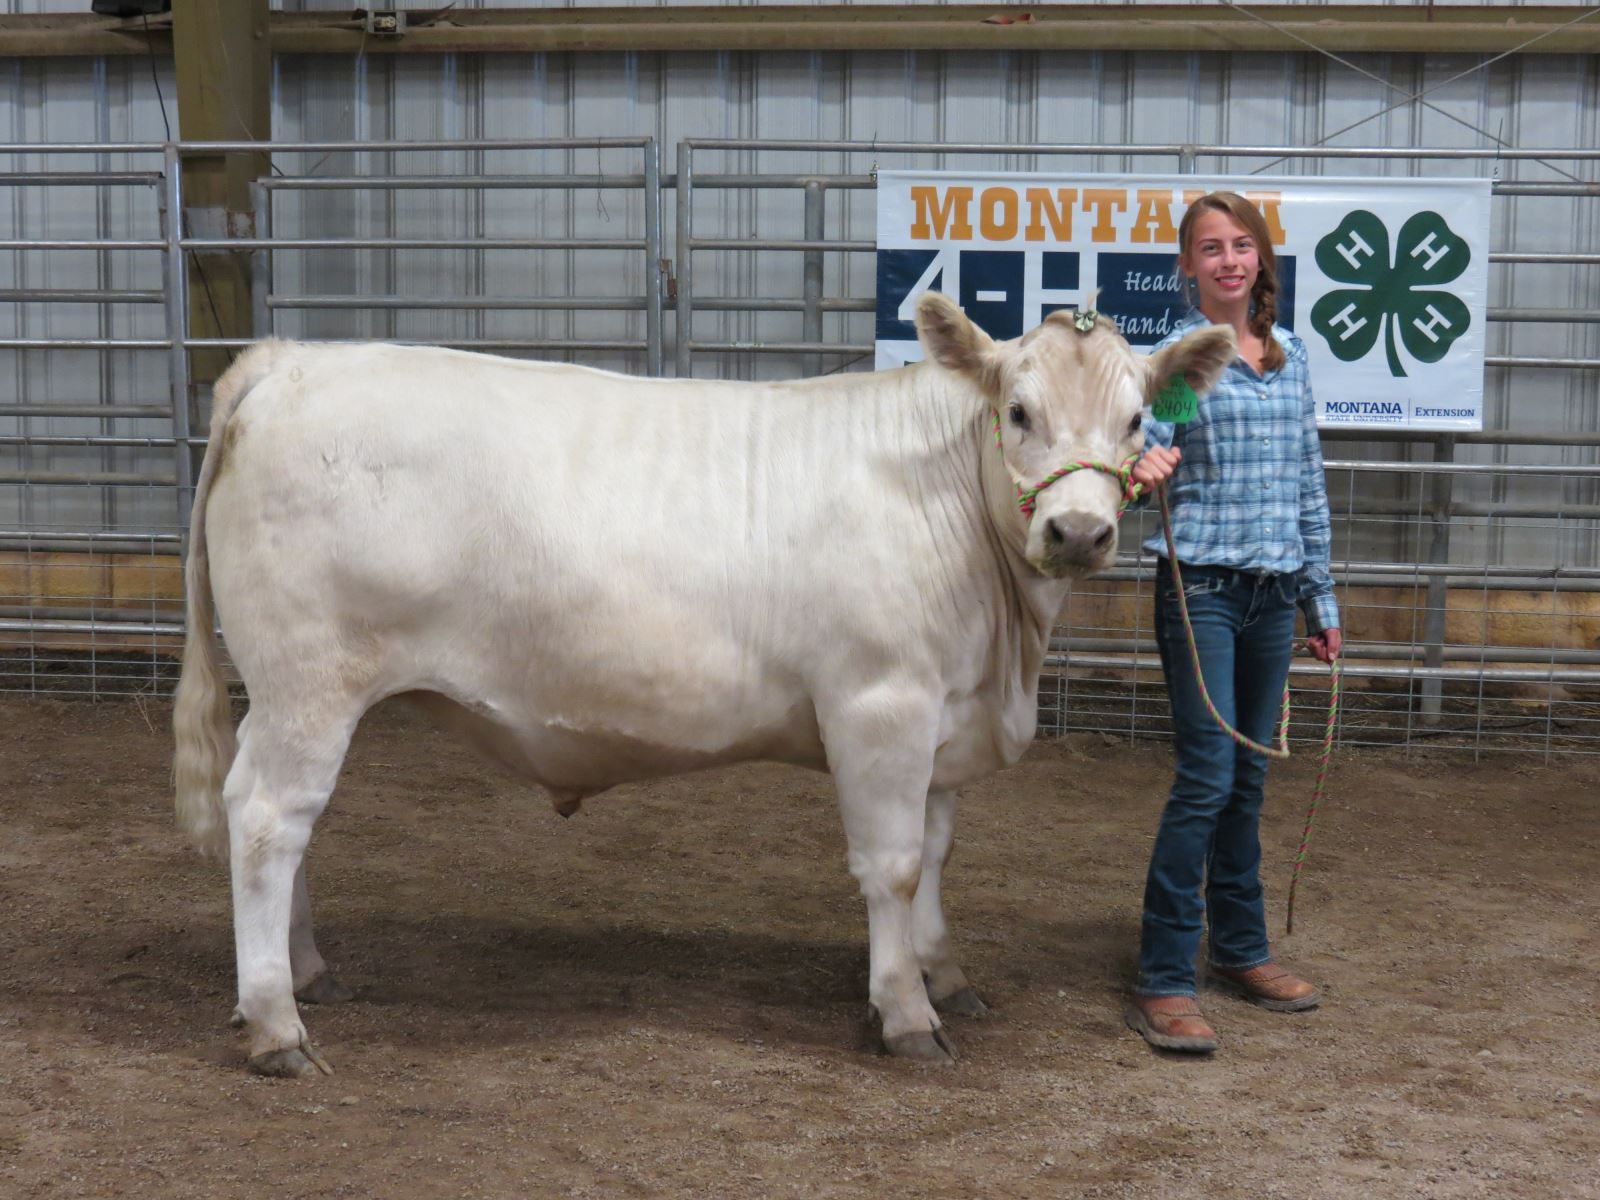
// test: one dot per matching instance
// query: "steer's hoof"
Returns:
(964, 1002)
(325, 989)
(924, 1046)
(297, 1062)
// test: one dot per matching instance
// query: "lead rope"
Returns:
(1281, 750)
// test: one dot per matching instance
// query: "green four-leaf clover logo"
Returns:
(1391, 296)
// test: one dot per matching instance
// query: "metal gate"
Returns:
(100, 414)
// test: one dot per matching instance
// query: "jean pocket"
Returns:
(1286, 590)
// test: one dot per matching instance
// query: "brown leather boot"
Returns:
(1270, 986)
(1171, 1023)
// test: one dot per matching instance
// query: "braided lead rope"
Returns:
(1317, 790)
(1281, 750)
(1028, 498)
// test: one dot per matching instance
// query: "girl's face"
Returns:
(1222, 260)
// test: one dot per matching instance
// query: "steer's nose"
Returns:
(1079, 537)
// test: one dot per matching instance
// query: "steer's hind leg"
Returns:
(947, 985)
(279, 785)
(880, 749)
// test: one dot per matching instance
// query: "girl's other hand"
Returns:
(1325, 645)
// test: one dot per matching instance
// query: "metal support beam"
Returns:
(1283, 28)
(224, 71)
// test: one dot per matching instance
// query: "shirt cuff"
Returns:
(1322, 612)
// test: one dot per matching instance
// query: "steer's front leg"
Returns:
(880, 749)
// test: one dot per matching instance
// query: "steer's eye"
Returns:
(1133, 425)
(1018, 415)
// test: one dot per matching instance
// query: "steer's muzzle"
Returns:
(1076, 541)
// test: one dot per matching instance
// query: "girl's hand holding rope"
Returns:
(1155, 467)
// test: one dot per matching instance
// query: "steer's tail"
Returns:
(202, 724)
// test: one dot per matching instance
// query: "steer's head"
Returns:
(1064, 395)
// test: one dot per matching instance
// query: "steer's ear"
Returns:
(951, 340)
(1200, 358)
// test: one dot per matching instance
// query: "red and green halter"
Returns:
(1028, 498)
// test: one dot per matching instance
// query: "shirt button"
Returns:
(1266, 441)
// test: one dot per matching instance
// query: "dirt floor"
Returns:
(663, 996)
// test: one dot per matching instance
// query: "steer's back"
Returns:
(666, 570)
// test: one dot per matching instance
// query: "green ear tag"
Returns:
(1176, 402)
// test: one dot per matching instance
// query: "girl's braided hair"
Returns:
(1264, 295)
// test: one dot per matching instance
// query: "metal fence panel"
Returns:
(97, 414)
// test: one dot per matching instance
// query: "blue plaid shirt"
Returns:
(1249, 492)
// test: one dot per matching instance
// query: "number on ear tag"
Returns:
(1176, 402)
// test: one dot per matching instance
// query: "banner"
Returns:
(1384, 280)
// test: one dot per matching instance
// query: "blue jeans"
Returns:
(1210, 829)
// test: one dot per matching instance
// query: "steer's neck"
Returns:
(946, 425)
(1032, 601)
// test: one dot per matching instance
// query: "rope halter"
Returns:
(1028, 497)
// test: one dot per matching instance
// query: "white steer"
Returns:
(598, 579)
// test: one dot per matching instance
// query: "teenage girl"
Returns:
(1250, 517)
